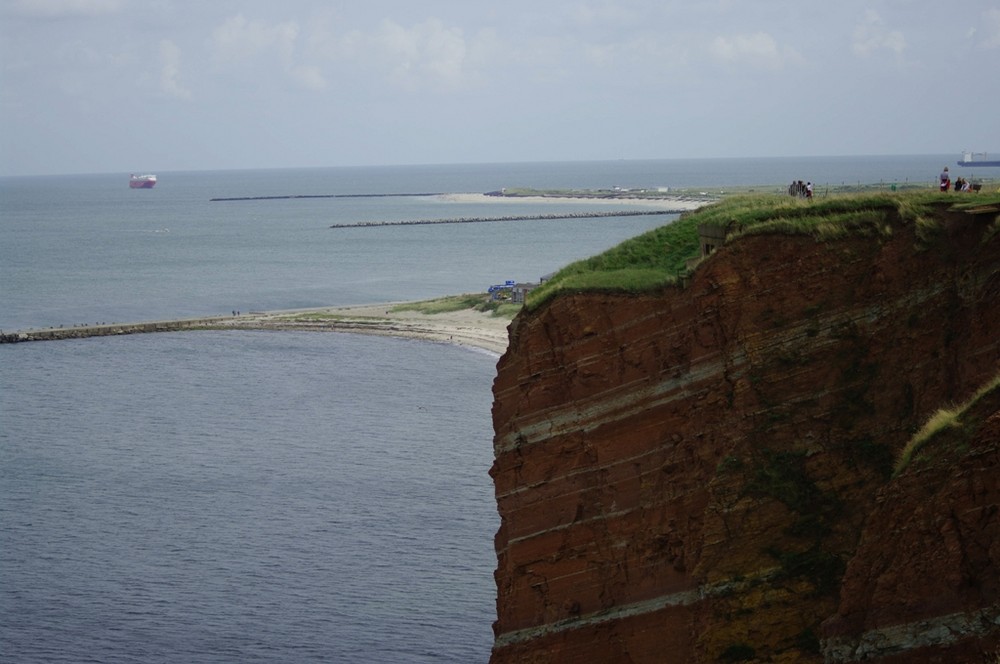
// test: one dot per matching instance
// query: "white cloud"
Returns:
(170, 58)
(239, 39)
(758, 49)
(428, 52)
(308, 76)
(871, 35)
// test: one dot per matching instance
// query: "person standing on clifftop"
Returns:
(945, 179)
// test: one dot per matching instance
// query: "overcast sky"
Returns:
(159, 85)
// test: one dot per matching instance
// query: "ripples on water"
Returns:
(242, 496)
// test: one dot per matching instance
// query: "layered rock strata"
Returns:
(703, 474)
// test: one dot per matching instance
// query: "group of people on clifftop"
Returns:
(800, 189)
(961, 184)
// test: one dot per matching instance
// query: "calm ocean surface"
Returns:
(255, 496)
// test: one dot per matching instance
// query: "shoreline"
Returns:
(676, 201)
(467, 327)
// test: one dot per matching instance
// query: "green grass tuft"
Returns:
(942, 420)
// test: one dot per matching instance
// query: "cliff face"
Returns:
(702, 475)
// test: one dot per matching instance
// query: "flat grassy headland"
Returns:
(666, 255)
(714, 192)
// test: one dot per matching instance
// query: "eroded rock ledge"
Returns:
(703, 474)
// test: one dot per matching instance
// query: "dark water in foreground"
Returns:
(246, 497)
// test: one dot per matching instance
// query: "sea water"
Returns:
(262, 496)
(245, 497)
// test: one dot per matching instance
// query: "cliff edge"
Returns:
(704, 472)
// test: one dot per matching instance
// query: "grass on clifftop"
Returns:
(475, 301)
(660, 257)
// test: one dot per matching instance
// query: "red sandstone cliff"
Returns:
(702, 475)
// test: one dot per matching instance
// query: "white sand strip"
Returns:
(465, 328)
(665, 201)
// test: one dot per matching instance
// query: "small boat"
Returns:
(980, 159)
(142, 181)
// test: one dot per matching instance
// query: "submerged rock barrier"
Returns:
(515, 217)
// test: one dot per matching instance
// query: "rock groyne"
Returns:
(515, 217)
(109, 329)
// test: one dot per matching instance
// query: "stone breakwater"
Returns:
(109, 329)
(704, 474)
(516, 217)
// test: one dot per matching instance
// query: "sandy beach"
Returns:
(665, 201)
(466, 327)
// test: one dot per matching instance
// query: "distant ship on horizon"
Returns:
(141, 181)
(977, 159)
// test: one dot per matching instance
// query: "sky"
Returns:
(102, 86)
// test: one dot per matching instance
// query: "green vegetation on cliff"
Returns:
(475, 301)
(664, 255)
(943, 420)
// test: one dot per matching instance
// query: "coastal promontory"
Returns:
(767, 432)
